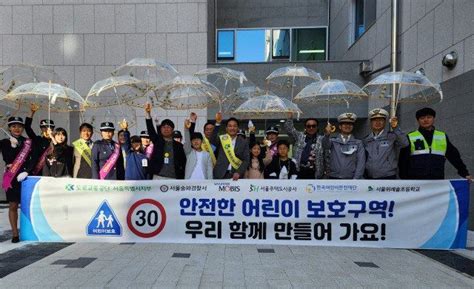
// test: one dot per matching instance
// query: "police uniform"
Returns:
(41, 143)
(144, 134)
(382, 149)
(347, 156)
(9, 155)
(101, 152)
(427, 152)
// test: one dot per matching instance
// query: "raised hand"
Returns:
(193, 117)
(394, 122)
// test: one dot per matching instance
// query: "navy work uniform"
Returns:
(101, 152)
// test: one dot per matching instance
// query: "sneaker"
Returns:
(16, 239)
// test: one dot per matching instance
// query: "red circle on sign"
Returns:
(160, 227)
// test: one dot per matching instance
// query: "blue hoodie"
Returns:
(135, 159)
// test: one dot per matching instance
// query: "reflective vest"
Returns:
(438, 146)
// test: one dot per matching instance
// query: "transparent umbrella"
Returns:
(267, 106)
(408, 87)
(227, 80)
(186, 92)
(17, 75)
(150, 70)
(232, 101)
(292, 78)
(116, 90)
(51, 96)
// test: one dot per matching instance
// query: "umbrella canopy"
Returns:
(331, 91)
(407, 86)
(186, 92)
(267, 106)
(227, 80)
(150, 70)
(15, 76)
(234, 100)
(115, 90)
(51, 96)
(292, 78)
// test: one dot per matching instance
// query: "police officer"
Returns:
(17, 152)
(178, 136)
(382, 146)
(107, 159)
(347, 159)
(429, 148)
(41, 142)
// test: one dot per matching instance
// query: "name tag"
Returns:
(384, 144)
(167, 161)
(144, 162)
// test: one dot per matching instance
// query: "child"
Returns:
(59, 163)
(281, 166)
(137, 162)
(257, 164)
(199, 163)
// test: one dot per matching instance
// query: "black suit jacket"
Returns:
(156, 159)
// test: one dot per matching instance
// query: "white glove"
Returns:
(14, 142)
(21, 177)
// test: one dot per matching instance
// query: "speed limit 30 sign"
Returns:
(146, 218)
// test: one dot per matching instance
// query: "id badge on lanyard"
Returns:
(167, 158)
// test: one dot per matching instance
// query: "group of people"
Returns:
(163, 152)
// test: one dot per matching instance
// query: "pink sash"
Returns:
(149, 151)
(20, 159)
(105, 170)
(39, 166)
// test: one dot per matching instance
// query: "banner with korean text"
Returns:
(358, 213)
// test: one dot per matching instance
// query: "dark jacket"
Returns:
(135, 159)
(60, 162)
(40, 143)
(272, 171)
(241, 151)
(429, 166)
(157, 160)
(101, 151)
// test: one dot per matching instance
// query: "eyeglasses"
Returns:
(311, 126)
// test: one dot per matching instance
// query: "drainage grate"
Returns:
(127, 243)
(181, 255)
(266, 250)
(366, 265)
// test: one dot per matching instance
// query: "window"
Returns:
(309, 44)
(365, 14)
(225, 45)
(251, 46)
(281, 44)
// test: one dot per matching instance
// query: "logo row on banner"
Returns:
(362, 213)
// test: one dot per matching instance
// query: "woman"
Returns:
(59, 163)
(17, 154)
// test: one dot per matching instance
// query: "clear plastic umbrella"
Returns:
(150, 70)
(242, 94)
(227, 80)
(186, 92)
(51, 96)
(408, 87)
(115, 90)
(292, 78)
(267, 106)
(17, 75)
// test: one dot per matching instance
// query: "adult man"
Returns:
(208, 131)
(347, 159)
(382, 146)
(233, 153)
(429, 148)
(83, 152)
(107, 157)
(41, 142)
(308, 150)
(168, 159)
(178, 136)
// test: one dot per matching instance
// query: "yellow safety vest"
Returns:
(438, 146)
